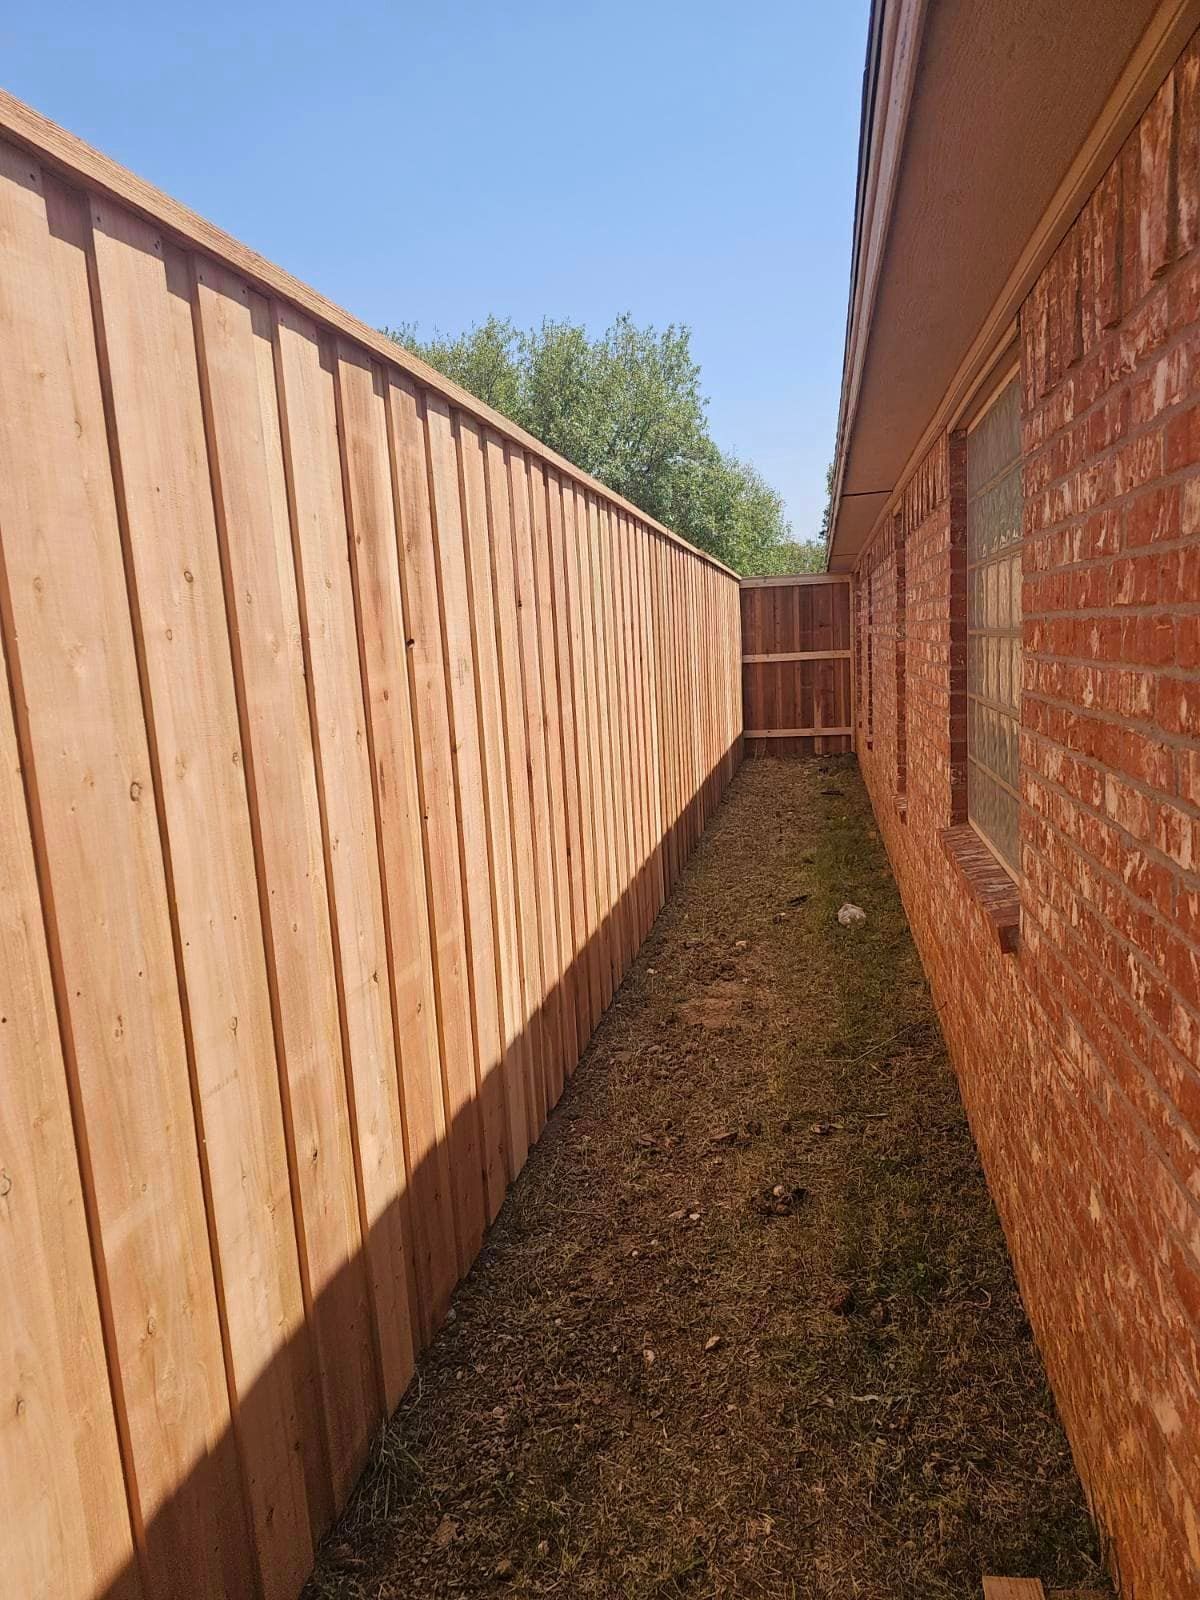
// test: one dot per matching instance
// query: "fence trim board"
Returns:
(796, 580)
(796, 655)
(88, 168)
(795, 733)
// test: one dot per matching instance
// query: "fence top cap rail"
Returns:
(85, 167)
(795, 578)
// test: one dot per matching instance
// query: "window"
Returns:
(994, 504)
(900, 637)
(870, 659)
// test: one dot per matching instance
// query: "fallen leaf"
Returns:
(447, 1531)
(712, 1342)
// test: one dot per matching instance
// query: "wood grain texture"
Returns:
(606, 764)
(494, 752)
(374, 1083)
(148, 1087)
(89, 169)
(559, 978)
(596, 786)
(468, 783)
(573, 531)
(542, 884)
(795, 664)
(576, 911)
(236, 363)
(435, 767)
(60, 1467)
(350, 744)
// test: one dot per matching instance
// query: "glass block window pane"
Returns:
(994, 622)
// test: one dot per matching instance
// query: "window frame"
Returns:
(1004, 372)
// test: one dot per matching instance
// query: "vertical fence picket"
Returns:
(493, 743)
(351, 744)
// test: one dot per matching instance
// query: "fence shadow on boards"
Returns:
(797, 665)
(350, 743)
(176, 1534)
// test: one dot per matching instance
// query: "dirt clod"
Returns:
(781, 1200)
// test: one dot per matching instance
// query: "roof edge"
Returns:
(894, 33)
(1163, 40)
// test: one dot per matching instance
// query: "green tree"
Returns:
(795, 555)
(485, 360)
(628, 409)
(827, 514)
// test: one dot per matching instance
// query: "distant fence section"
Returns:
(350, 745)
(797, 665)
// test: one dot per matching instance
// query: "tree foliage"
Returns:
(827, 514)
(627, 408)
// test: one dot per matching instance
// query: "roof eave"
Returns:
(893, 46)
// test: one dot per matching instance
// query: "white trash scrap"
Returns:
(849, 915)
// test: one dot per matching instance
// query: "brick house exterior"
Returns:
(1069, 981)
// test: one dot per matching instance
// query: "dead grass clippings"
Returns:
(746, 1325)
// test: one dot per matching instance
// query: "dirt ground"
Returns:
(746, 1325)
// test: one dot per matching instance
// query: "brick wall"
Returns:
(1079, 1053)
(880, 609)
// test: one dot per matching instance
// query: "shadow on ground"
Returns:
(746, 1324)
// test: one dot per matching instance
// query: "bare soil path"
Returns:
(746, 1325)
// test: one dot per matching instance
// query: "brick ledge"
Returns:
(986, 882)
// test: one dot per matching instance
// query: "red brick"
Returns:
(1183, 440)
(1152, 516)
(1079, 1059)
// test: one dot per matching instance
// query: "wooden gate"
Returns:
(797, 665)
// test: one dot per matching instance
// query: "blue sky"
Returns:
(688, 162)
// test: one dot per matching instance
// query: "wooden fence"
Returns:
(797, 667)
(351, 743)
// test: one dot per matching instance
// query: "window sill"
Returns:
(986, 881)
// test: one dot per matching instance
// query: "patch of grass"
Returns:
(872, 1419)
(965, 1461)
